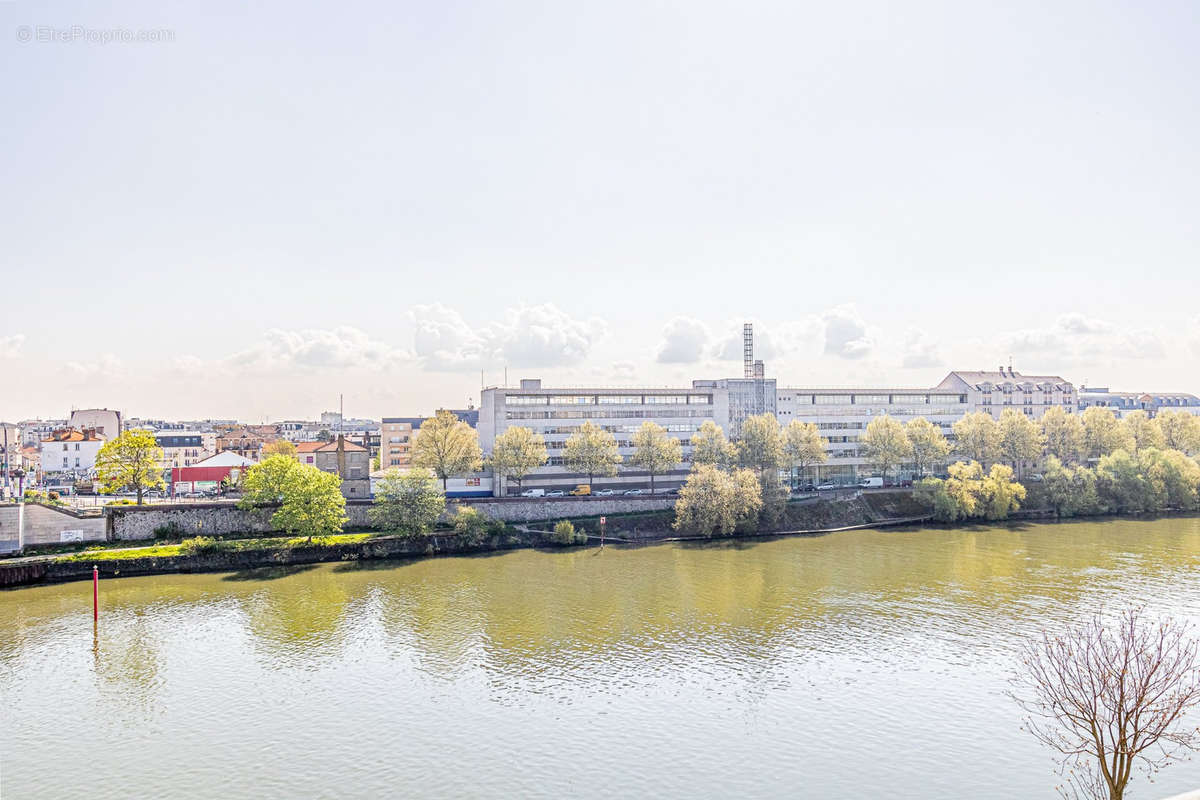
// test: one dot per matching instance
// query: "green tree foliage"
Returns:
(885, 444)
(280, 447)
(1063, 434)
(710, 447)
(803, 446)
(1120, 483)
(447, 446)
(716, 502)
(1070, 491)
(1180, 430)
(655, 451)
(266, 483)
(977, 437)
(970, 493)
(927, 443)
(1103, 433)
(312, 505)
(409, 503)
(1172, 480)
(517, 452)
(1020, 439)
(760, 446)
(1143, 432)
(131, 461)
(591, 451)
(564, 534)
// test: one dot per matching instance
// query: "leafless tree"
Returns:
(1109, 694)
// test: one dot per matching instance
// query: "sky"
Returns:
(248, 210)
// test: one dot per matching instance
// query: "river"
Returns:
(866, 663)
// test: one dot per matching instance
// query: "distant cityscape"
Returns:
(60, 453)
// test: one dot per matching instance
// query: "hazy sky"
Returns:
(280, 203)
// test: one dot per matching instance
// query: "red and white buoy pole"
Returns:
(95, 593)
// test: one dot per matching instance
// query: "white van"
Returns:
(871, 483)
(533, 493)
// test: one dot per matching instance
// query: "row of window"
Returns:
(608, 399)
(875, 399)
(672, 427)
(597, 414)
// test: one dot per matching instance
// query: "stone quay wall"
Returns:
(130, 523)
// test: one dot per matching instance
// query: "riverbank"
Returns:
(814, 517)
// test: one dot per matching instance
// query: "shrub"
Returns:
(169, 531)
(53, 496)
(564, 534)
(199, 544)
(470, 525)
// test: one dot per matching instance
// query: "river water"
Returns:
(861, 664)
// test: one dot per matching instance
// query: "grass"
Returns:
(201, 544)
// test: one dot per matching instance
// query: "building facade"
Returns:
(556, 413)
(184, 449)
(351, 462)
(1121, 403)
(105, 422)
(993, 392)
(70, 451)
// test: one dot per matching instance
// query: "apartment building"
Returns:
(841, 415)
(104, 421)
(1121, 403)
(185, 449)
(993, 392)
(71, 451)
(556, 413)
(349, 461)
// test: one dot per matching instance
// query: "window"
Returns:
(77, 447)
(309, 460)
(871, 399)
(700, 399)
(909, 399)
(572, 400)
(666, 399)
(831, 399)
(622, 399)
(526, 400)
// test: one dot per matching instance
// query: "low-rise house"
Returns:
(351, 462)
(71, 451)
(207, 474)
(243, 442)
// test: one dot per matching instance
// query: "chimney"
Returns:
(341, 455)
(748, 350)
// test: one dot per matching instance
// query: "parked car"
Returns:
(582, 490)
(670, 490)
(533, 493)
(556, 493)
(604, 493)
(634, 492)
(808, 487)
(1036, 477)
(827, 487)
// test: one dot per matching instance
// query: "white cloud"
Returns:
(684, 341)
(106, 366)
(845, 333)
(1074, 338)
(920, 351)
(624, 371)
(530, 336)
(315, 349)
(10, 346)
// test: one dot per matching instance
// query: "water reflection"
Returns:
(764, 632)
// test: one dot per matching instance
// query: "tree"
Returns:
(448, 446)
(1103, 433)
(324, 436)
(927, 443)
(133, 461)
(976, 437)
(266, 483)
(1069, 491)
(1143, 432)
(803, 446)
(760, 446)
(1109, 696)
(655, 451)
(1001, 494)
(965, 487)
(710, 447)
(517, 452)
(885, 444)
(1019, 439)
(1171, 478)
(280, 447)
(1120, 484)
(313, 504)
(716, 502)
(1063, 434)
(409, 503)
(1180, 430)
(591, 451)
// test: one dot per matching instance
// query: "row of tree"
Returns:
(1149, 480)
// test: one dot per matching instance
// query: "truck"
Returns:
(582, 490)
(533, 493)
(871, 483)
